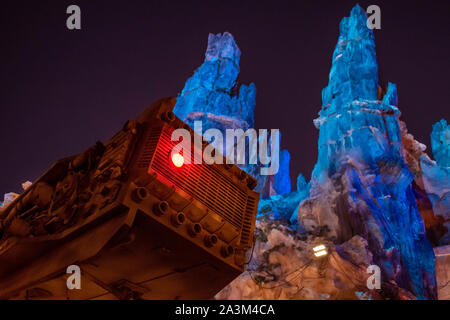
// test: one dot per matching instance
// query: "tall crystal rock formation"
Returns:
(213, 97)
(361, 184)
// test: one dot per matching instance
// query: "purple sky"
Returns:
(61, 90)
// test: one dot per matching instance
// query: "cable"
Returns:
(344, 273)
(446, 284)
(251, 256)
(300, 269)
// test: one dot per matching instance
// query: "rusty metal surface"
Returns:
(138, 229)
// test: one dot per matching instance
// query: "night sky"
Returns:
(61, 90)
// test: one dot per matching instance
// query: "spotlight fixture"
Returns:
(320, 250)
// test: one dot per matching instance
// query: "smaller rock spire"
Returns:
(440, 143)
(212, 88)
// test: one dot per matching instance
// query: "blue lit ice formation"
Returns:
(361, 183)
(282, 183)
(213, 97)
(436, 174)
(285, 205)
(354, 72)
(440, 143)
(212, 88)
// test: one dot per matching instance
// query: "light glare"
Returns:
(177, 160)
(320, 253)
(319, 248)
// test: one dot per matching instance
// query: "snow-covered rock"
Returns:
(284, 267)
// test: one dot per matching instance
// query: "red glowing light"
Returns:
(177, 160)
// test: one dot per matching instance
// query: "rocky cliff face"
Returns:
(431, 180)
(284, 267)
(436, 178)
(442, 254)
(362, 200)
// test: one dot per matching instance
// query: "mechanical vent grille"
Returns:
(203, 182)
(149, 147)
(250, 211)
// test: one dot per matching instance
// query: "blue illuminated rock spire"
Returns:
(361, 184)
(213, 96)
(354, 71)
(212, 89)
